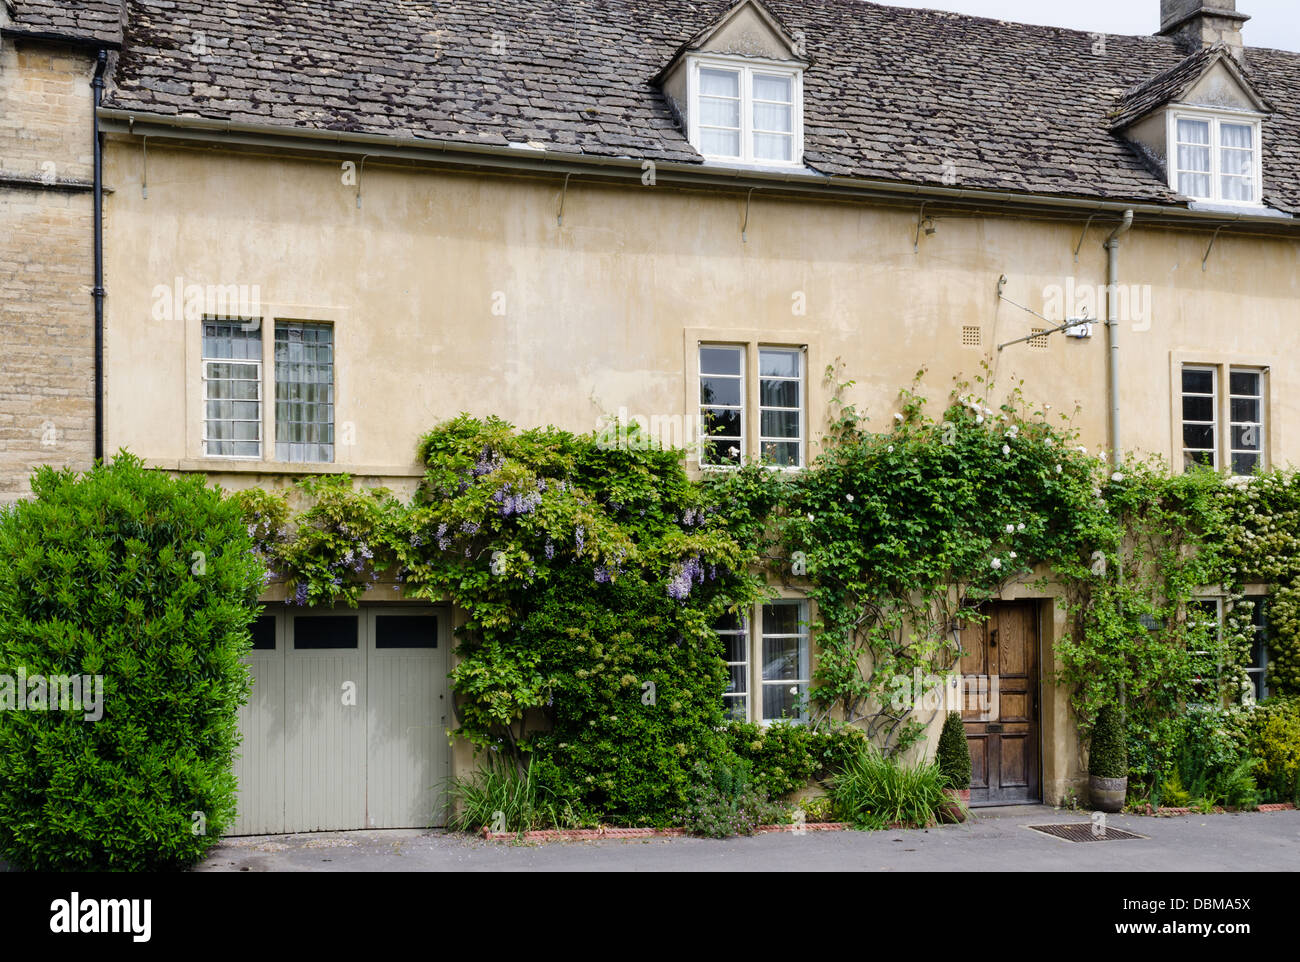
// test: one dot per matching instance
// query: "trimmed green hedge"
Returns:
(1108, 757)
(953, 753)
(148, 583)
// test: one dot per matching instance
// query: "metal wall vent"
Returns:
(1038, 339)
(971, 337)
(1084, 832)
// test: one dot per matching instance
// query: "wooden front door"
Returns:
(1002, 728)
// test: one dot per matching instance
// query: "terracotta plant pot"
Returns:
(959, 809)
(1108, 794)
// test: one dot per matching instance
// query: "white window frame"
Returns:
(745, 697)
(801, 378)
(1213, 371)
(743, 407)
(1262, 423)
(1218, 630)
(747, 67)
(260, 400)
(1215, 119)
(760, 637)
(1262, 670)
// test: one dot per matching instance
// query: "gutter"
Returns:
(470, 155)
(97, 86)
(1112, 330)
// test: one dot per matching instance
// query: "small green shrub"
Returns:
(725, 801)
(784, 758)
(1108, 757)
(1274, 740)
(148, 583)
(953, 754)
(873, 791)
(502, 797)
(818, 808)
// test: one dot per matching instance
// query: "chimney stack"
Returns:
(1197, 24)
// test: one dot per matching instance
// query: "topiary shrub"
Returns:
(953, 755)
(1108, 756)
(141, 587)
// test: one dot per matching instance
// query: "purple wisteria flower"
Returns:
(691, 571)
(488, 461)
(300, 595)
(550, 550)
(579, 537)
(469, 527)
(602, 575)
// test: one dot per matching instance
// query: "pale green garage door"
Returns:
(346, 724)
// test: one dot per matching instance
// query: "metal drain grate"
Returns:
(1083, 832)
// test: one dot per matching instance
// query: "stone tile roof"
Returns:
(84, 20)
(892, 93)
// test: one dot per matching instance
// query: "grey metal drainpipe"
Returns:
(98, 291)
(1112, 329)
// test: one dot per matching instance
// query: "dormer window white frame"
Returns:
(745, 111)
(1215, 155)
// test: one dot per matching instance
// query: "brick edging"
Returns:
(583, 834)
(1218, 810)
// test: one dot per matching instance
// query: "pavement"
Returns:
(995, 839)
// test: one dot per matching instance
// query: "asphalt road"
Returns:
(995, 840)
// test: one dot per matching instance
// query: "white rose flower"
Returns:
(1058, 469)
(1117, 476)
(1010, 528)
(979, 419)
(1020, 526)
(996, 562)
(1013, 554)
(1006, 449)
(1049, 442)
(898, 417)
(850, 498)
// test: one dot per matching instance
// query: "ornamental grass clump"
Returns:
(876, 792)
(141, 587)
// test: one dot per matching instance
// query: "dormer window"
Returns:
(745, 113)
(1215, 158)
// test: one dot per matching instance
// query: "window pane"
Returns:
(1240, 136)
(406, 631)
(778, 363)
(780, 424)
(726, 451)
(720, 390)
(1198, 408)
(779, 394)
(232, 411)
(734, 647)
(774, 117)
(1195, 459)
(1194, 132)
(1193, 185)
(1236, 188)
(1197, 381)
(769, 87)
(304, 379)
(736, 708)
(1198, 436)
(783, 454)
(325, 631)
(782, 619)
(773, 147)
(721, 83)
(1243, 409)
(720, 143)
(719, 360)
(721, 422)
(719, 113)
(783, 701)
(1245, 464)
(1244, 383)
(264, 633)
(737, 679)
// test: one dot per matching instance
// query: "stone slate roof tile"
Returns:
(893, 93)
(88, 20)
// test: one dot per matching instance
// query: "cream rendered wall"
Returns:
(454, 293)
